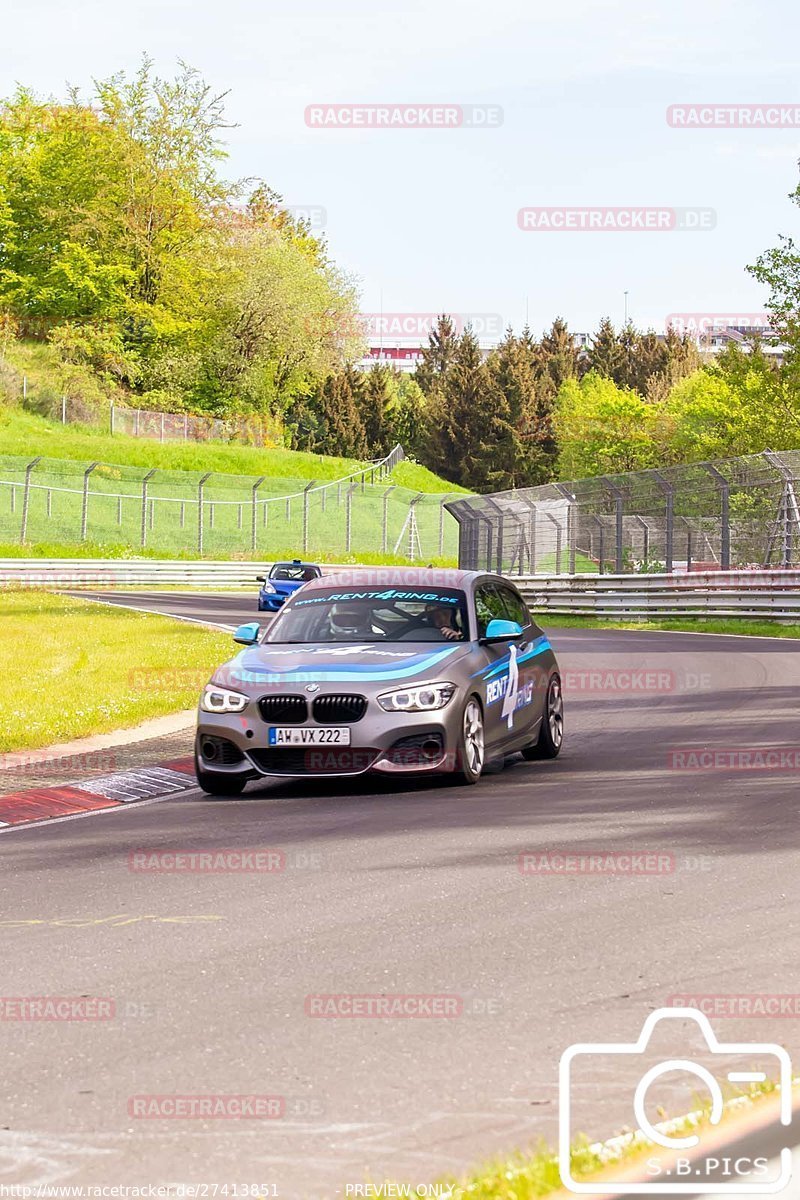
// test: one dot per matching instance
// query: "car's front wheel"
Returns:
(218, 783)
(472, 744)
(551, 731)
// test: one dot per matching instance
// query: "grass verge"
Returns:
(117, 550)
(527, 1176)
(742, 627)
(71, 668)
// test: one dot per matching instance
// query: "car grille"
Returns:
(339, 710)
(313, 760)
(283, 710)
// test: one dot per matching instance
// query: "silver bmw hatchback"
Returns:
(394, 671)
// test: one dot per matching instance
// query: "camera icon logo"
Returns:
(751, 1176)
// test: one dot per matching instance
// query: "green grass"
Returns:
(71, 668)
(118, 550)
(741, 626)
(527, 1176)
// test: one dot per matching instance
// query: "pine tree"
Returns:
(341, 429)
(604, 352)
(559, 355)
(438, 355)
(373, 399)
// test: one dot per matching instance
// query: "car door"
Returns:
(531, 679)
(499, 672)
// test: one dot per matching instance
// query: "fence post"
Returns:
(254, 512)
(24, 387)
(162, 428)
(669, 505)
(200, 487)
(119, 510)
(26, 495)
(348, 536)
(441, 527)
(385, 518)
(145, 482)
(112, 418)
(63, 410)
(725, 515)
(602, 539)
(306, 490)
(49, 502)
(618, 503)
(688, 544)
(183, 514)
(645, 537)
(571, 530)
(136, 422)
(557, 524)
(85, 504)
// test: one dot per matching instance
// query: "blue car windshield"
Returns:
(290, 573)
(373, 615)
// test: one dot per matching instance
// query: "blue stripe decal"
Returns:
(498, 668)
(347, 673)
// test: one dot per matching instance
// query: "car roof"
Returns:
(295, 562)
(395, 577)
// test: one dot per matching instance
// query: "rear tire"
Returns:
(216, 783)
(551, 730)
(472, 743)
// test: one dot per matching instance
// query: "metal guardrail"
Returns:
(75, 573)
(754, 594)
(757, 593)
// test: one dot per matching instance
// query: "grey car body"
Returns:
(327, 697)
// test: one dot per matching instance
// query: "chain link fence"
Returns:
(731, 513)
(48, 500)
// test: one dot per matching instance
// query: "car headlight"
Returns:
(220, 700)
(267, 587)
(424, 698)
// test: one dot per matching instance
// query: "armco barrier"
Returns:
(758, 593)
(753, 594)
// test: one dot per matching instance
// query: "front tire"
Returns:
(472, 743)
(216, 783)
(551, 731)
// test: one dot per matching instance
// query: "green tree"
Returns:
(602, 429)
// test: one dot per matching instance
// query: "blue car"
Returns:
(283, 581)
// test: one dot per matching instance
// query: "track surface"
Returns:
(403, 889)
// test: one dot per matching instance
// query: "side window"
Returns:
(516, 609)
(488, 607)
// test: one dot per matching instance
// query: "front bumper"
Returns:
(384, 743)
(270, 601)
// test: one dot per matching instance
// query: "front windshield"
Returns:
(374, 615)
(292, 572)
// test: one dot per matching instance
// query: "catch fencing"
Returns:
(730, 513)
(54, 501)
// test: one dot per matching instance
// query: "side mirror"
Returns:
(247, 635)
(261, 579)
(502, 631)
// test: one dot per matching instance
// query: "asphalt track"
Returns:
(412, 890)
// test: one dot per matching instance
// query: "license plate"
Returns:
(334, 735)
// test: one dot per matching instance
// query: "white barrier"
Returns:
(757, 593)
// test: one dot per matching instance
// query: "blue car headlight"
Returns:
(221, 700)
(425, 698)
(267, 587)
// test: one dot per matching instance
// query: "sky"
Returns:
(426, 220)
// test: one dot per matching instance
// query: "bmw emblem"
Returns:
(312, 687)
